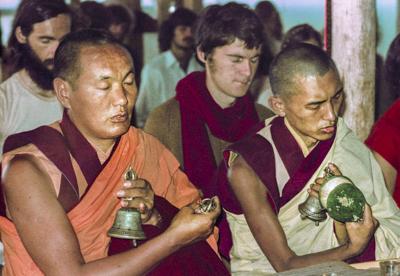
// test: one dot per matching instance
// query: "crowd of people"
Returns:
(232, 109)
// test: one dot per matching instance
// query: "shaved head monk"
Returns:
(272, 172)
(62, 192)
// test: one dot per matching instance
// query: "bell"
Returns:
(313, 210)
(127, 223)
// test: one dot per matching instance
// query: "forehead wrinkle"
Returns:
(106, 55)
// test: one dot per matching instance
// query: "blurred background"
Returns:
(292, 13)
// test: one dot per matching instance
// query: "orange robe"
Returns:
(95, 213)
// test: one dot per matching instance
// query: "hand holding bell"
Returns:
(337, 195)
(311, 208)
(128, 222)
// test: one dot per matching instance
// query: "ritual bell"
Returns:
(127, 223)
(312, 208)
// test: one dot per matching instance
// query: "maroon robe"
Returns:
(259, 155)
(196, 259)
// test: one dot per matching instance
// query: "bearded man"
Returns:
(27, 99)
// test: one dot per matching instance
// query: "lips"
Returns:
(244, 82)
(119, 118)
(329, 129)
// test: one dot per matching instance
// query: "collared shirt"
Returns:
(158, 81)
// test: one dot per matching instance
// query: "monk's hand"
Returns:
(359, 233)
(138, 194)
(189, 226)
(319, 181)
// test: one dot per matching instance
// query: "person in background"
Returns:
(272, 36)
(57, 225)
(302, 33)
(96, 15)
(120, 21)
(213, 108)
(27, 99)
(390, 90)
(160, 76)
(384, 141)
(269, 174)
(273, 28)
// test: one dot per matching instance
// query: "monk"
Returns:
(62, 192)
(384, 141)
(271, 172)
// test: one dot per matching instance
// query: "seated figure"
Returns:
(62, 192)
(269, 175)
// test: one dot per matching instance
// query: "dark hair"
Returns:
(392, 68)
(119, 15)
(180, 17)
(271, 19)
(30, 12)
(97, 14)
(301, 33)
(66, 59)
(220, 25)
(298, 59)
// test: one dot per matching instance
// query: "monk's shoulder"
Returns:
(252, 148)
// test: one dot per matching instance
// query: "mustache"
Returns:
(48, 62)
(189, 39)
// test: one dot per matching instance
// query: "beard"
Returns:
(37, 69)
(187, 45)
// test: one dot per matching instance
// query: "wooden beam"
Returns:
(354, 50)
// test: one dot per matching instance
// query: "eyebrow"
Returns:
(46, 37)
(105, 77)
(131, 71)
(321, 102)
(240, 56)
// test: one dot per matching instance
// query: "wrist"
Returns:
(174, 240)
(352, 250)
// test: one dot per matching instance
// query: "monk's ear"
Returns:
(201, 55)
(20, 36)
(277, 105)
(63, 91)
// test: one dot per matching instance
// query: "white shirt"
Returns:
(158, 81)
(24, 106)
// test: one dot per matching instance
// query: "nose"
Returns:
(187, 32)
(330, 114)
(246, 68)
(120, 96)
(53, 48)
